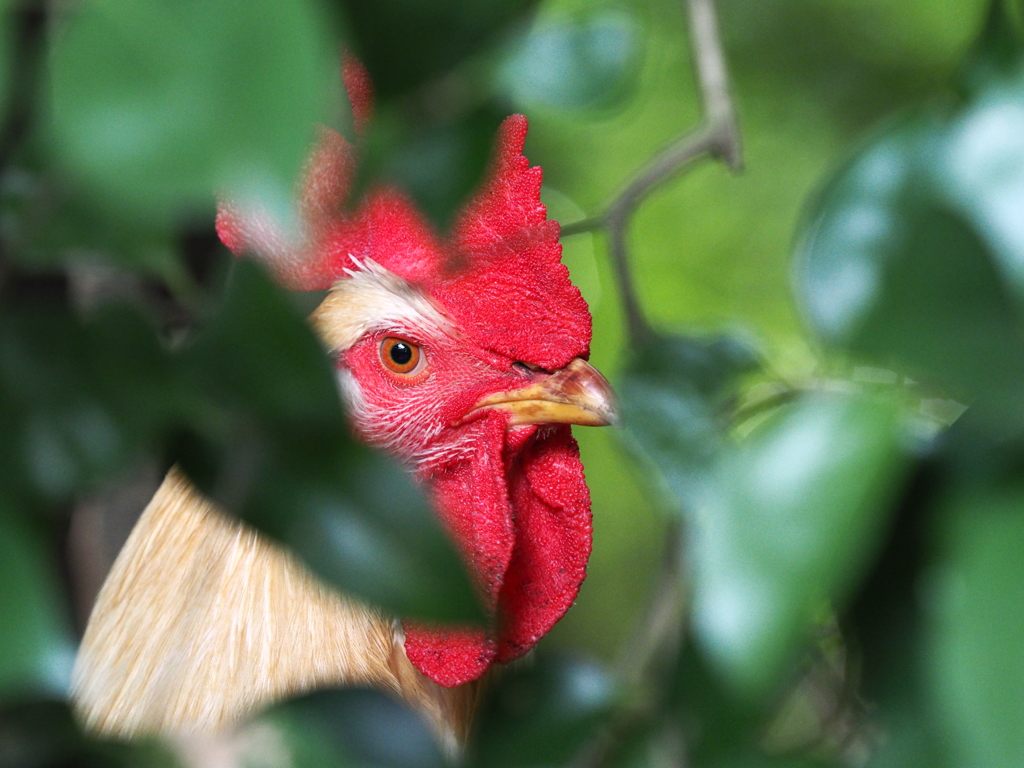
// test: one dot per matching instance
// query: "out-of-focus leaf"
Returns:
(752, 759)
(673, 393)
(883, 620)
(998, 49)
(799, 509)
(259, 352)
(156, 106)
(911, 743)
(977, 599)
(405, 44)
(7, 20)
(43, 734)
(361, 728)
(718, 722)
(574, 64)
(540, 714)
(60, 431)
(268, 441)
(36, 643)
(884, 627)
(439, 160)
(914, 253)
(433, 129)
(47, 223)
(80, 400)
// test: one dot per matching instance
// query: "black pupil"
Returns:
(401, 353)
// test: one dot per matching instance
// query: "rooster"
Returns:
(463, 358)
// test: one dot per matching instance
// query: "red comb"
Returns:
(360, 91)
(516, 297)
(499, 275)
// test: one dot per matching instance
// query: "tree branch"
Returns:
(713, 78)
(583, 225)
(716, 137)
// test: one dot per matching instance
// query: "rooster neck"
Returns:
(202, 621)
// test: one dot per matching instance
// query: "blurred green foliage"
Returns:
(851, 540)
(153, 106)
(800, 510)
(35, 634)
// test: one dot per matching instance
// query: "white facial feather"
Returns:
(374, 299)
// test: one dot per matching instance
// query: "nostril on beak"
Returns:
(533, 371)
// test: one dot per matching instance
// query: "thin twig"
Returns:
(775, 399)
(669, 162)
(658, 635)
(582, 226)
(713, 77)
(716, 137)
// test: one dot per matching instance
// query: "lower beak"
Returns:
(575, 394)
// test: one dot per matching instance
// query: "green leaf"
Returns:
(573, 64)
(913, 256)
(7, 50)
(719, 723)
(404, 44)
(753, 759)
(977, 599)
(40, 734)
(439, 160)
(911, 743)
(1000, 48)
(798, 510)
(540, 715)
(673, 392)
(268, 441)
(156, 106)
(36, 644)
(80, 401)
(883, 621)
(351, 727)
(259, 351)
(433, 128)
(49, 224)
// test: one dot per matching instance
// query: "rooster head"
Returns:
(465, 357)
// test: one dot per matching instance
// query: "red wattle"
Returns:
(521, 514)
(472, 499)
(553, 541)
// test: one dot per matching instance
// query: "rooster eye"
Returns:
(401, 356)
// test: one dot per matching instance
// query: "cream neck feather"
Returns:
(202, 621)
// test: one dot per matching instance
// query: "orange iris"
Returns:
(400, 356)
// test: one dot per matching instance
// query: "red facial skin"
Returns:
(514, 499)
(413, 415)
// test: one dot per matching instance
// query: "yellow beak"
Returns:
(575, 394)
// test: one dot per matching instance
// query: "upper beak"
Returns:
(575, 394)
